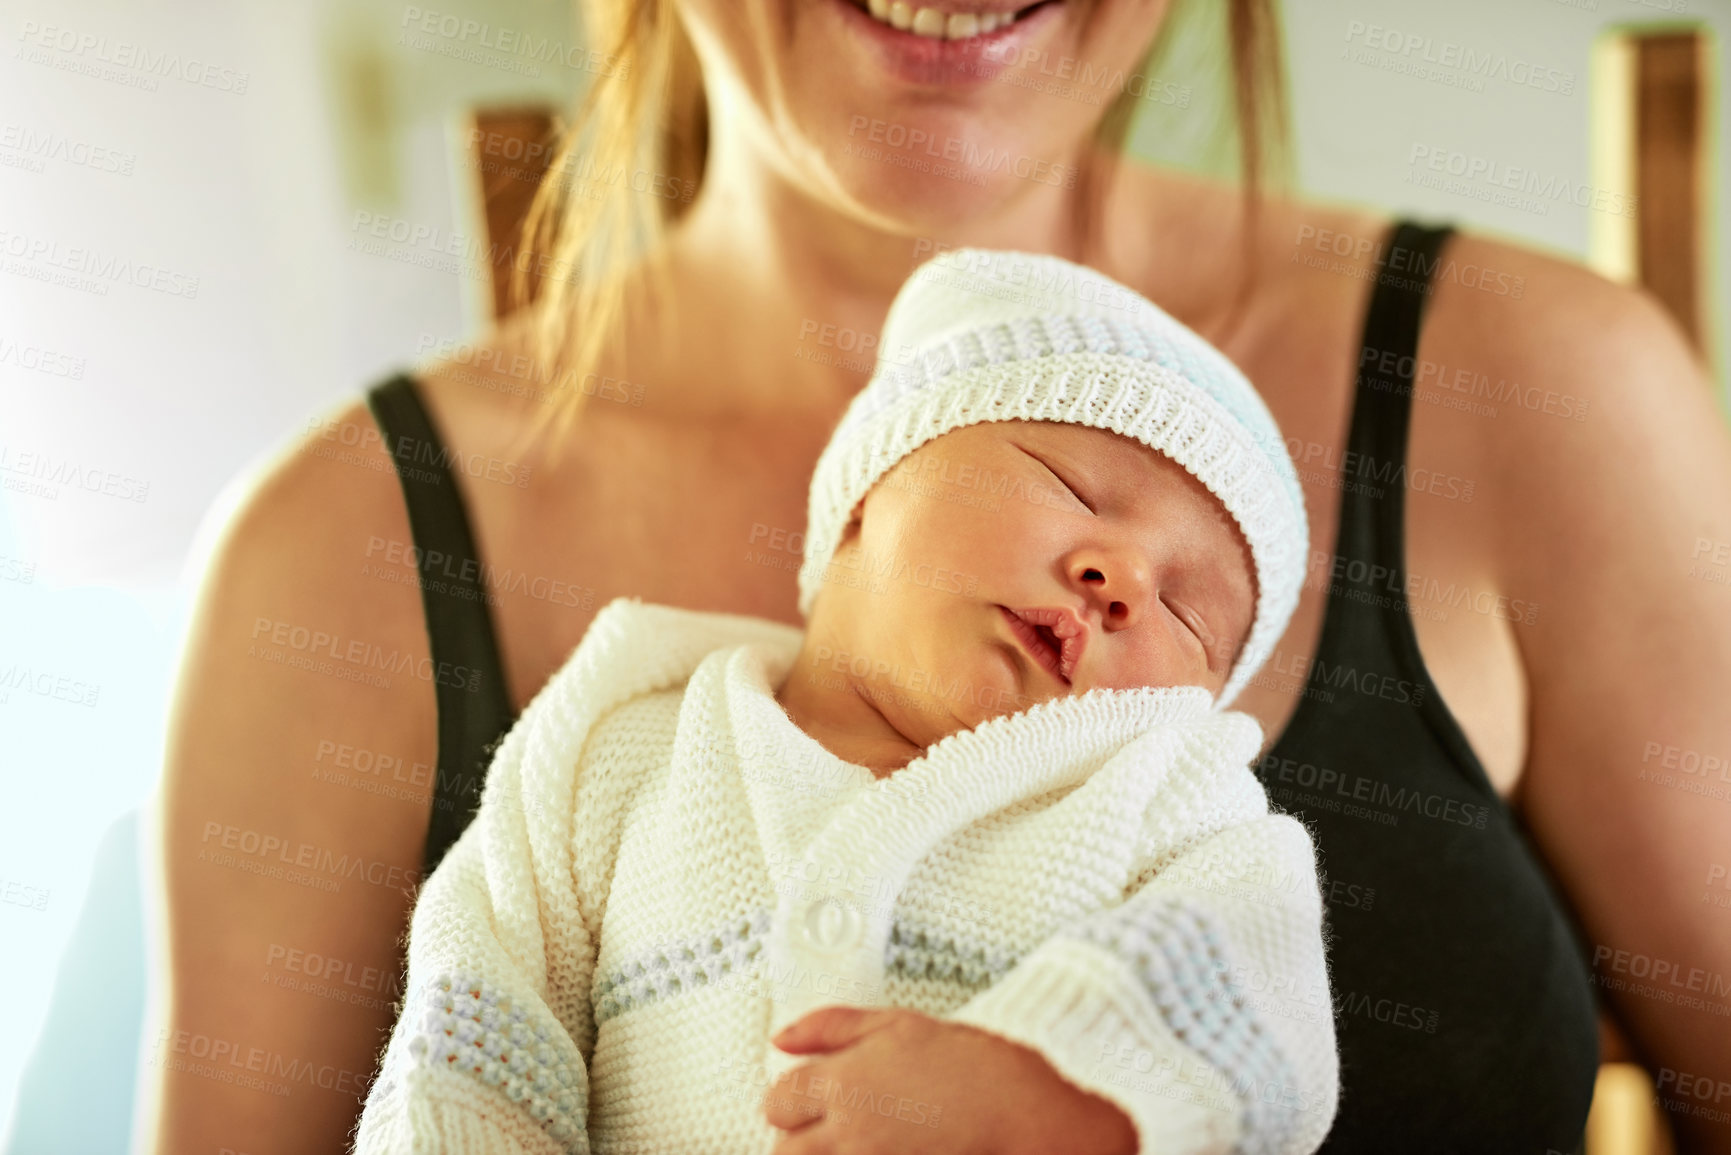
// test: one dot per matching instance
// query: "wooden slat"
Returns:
(1624, 1120)
(1669, 166)
(509, 151)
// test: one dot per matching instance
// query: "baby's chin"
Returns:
(926, 718)
(996, 702)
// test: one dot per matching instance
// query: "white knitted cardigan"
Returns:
(665, 871)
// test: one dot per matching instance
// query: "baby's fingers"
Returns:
(788, 1104)
(830, 1029)
(818, 1139)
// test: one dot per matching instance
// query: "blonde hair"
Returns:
(645, 113)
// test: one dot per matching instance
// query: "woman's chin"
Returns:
(924, 198)
(920, 206)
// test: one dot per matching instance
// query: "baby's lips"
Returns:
(1070, 655)
(1068, 626)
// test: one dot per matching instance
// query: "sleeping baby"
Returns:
(975, 861)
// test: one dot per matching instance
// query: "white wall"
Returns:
(1368, 120)
(254, 193)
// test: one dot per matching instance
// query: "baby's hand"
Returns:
(895, 1080)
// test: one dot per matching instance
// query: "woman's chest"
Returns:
(700, 519)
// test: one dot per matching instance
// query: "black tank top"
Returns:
(1464, 1013)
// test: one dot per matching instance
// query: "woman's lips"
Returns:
(945, 63)
(1053, 636)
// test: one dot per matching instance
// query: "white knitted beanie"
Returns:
(977, 335)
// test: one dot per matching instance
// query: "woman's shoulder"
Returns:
(1580, 420)
(314, 522)
(1557, 369)
(1590, 417)
(1549, 319)
(308, 623)
(1500, 306)
(1316, 261)
(1536, 372)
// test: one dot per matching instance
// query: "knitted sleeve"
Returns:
(1199, 1004)
(478, 1062)
(488, 1052)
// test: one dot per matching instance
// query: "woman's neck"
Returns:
(781, 257)
(769, 279)
(763, 224)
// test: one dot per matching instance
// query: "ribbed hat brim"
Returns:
(1125, 394)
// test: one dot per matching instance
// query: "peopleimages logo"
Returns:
(1497, 175)
(91, 270)
(304, 648)
(275, 849)
(37, 359)
(46, 684)
(38, 146)
(255, 1068)
(973, 160)
(1471, 63)
(42, 475)
(509, 43)
(87, 47)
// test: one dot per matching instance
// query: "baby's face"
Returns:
(1013, 562)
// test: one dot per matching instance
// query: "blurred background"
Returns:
(185, 195)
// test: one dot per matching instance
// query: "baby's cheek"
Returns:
(1154, 660)
(1005, 545)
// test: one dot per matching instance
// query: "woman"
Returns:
(1416, 729)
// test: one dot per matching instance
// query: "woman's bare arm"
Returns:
(1609, 524)
(294, 808)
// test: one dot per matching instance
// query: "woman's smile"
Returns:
(947, 46)
(953, 23)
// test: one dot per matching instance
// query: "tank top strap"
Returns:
(474, 704)
(1373, 511)
(1368, 621)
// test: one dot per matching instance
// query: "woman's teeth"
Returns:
(936, 25)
